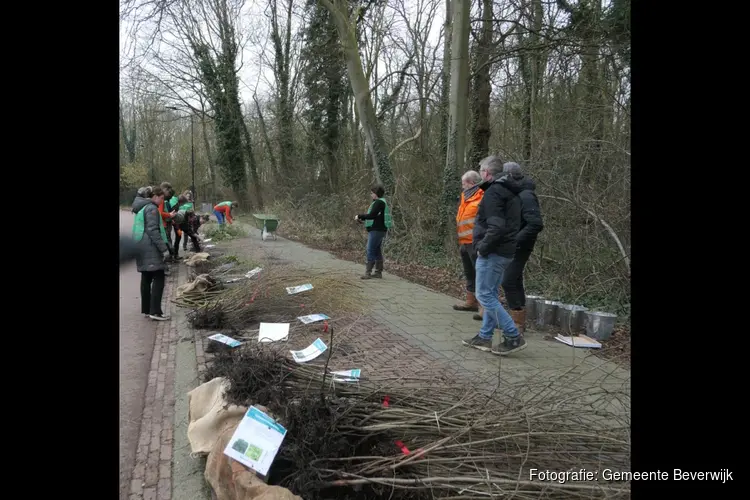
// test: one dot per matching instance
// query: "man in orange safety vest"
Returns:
(467, 211)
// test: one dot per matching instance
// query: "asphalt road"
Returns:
(136, 347)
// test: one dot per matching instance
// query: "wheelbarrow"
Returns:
(268, 222)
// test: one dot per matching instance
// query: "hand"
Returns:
(356, 217)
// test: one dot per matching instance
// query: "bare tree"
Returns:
(360, 86)
(458, 111)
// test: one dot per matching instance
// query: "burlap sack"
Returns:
(196, 258)
(231, 480)
(201, 283)
(209, 414)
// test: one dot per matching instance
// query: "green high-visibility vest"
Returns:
(187, 206)
(224, 204)
(173, 201)
(139, 227)
(386, 215)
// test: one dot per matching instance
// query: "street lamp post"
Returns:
(192, 154)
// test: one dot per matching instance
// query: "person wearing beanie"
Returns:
(531, 226)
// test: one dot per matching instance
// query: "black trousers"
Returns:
(469, 261)
(187, 231)
(513, 279)
(152, 289)
(168, 230)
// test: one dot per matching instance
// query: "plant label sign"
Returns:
(312, 318)
(225, 340)
(256, 441)
(291, 290)
(310, 352)
(347, 375)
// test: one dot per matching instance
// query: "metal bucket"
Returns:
(531, 301)
(546, 312)
(571, 318)
(599, 325)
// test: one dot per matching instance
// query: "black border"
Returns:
(684, 233)
(62, 85)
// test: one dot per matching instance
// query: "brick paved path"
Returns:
(421, 318)
(152, 474)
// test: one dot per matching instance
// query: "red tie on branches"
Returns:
(403, 447)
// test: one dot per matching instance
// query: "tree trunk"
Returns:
(445, 83)
(482, 88)
(258, 202)
(360, 86)
(459, 97)
(209, 156)
(282, 53)
(533, 62)
(267, 141)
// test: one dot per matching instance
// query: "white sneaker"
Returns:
(158, 317)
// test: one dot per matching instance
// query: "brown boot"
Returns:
(378, 269)
(480, 315)
(471, 303)
(368, 271)
(519, 318)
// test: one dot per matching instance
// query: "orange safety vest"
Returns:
(467, 212)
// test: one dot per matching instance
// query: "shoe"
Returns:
(378, 269)
(519, 318)
(479, 316)
(158, 317)
(478, 342)
(368, 271)
(471, 303)
(510, 345)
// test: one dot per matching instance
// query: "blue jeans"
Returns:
(375, 245)
(219, 216)
(490, 270)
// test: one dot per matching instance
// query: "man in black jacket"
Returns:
(531, 226)
(495, 229)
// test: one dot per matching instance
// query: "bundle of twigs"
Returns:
(386, 437)
(264, 298)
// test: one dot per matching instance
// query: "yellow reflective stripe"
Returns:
(465, 233)
(466, 221)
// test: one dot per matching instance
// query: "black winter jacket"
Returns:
(531, 215)
(498, 221)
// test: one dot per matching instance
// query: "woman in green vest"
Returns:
(151, 237)
(377, 222)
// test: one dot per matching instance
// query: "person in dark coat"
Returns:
(151, 237)
(496, 226)
(377, 222)
(182, 221)
(531, 226)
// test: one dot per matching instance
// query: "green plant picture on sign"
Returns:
(240, 445)
(253, 453)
